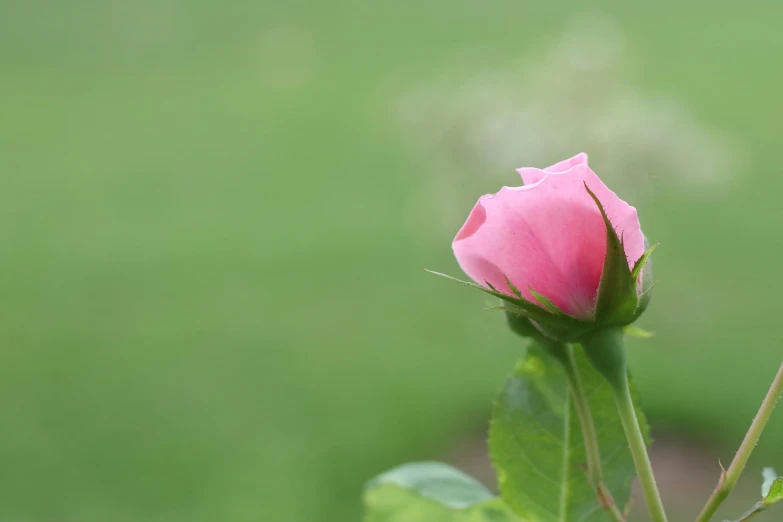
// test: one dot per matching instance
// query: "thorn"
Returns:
(722, 473)
(627, 508)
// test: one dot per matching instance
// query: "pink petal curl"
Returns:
(547, 235)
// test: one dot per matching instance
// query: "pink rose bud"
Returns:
(563, 242)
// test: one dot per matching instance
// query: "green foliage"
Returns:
(431, 492)
(536, 443)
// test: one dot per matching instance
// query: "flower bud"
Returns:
(563, 252)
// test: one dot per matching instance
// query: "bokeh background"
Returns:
(214, 216)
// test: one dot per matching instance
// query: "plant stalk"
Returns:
(729, 477)
(606, 350)
(639, 452)
(565, 353)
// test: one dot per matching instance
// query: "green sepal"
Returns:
(521, 325)
(524, 327)
(639, 265)
(560, 326)
(637, 332)
(644, 297)
(513, 288)
(616, 301)
(568, 330)
(642, 269)
(546, 302)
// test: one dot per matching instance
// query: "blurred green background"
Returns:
(214, 217)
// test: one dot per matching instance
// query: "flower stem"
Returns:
(729, 477)
(606, 350)
(594, 471)
(752, 512)
(639, 452)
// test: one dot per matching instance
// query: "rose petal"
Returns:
(548, 236)
(532, 175)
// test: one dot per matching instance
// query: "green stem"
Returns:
(565, 354)
(752, 512)
(639, 452)
(582, 408)
(592, 451)
(729, 477)
(606, 350)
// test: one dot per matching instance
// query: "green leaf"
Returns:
(536, 444)
(431, 492)
(617, 299)
(772, 488)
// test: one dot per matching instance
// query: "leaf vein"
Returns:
(533, 466)
(566, 459)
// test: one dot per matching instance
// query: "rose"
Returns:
(564, 253)
(566, 256)
(550, 238)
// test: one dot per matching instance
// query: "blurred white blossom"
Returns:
(474, 121)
